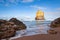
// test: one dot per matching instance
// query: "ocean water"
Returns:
(33, 28)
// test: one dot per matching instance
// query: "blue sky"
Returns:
(26, 9)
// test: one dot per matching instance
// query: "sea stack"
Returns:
(39, 15)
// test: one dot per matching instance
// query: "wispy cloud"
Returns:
(27, 1)
(57, 8)
(1, 1)
(52, 15)
(37, 7)
(28, 17)
(8, 2)
(12, 1)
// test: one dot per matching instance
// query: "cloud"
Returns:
(28, 17)
(1, 0)
(24, 1)
(7, 4)
(57, 8)
(52, 15)
(37, 7)
(12, 1)
(16, 2)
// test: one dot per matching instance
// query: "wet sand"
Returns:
(43, 36)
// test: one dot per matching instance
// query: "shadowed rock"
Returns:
(55, 23)
(6, 31)
(2, 21)
(9, 28)
(20, 25)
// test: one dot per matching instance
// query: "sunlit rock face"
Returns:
(39, 15)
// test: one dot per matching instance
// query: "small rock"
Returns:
(52, 31)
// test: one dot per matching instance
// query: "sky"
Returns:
(26, 9)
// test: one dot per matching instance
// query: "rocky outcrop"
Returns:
(20, 25)
(55, 23)
(39, 15)
(6, 31)
(2, 21)
(9, 28)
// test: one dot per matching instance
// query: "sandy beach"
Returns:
(43, 36)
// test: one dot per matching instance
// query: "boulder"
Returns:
(55, 23)
(9, 28)
(20, 25)
(52, 31)
(6, 32)
(6, 29)
(2, 21)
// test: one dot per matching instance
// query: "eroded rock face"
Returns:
(6, 31)
(55, 23)
(2, 21)
(9, 28)
(39, 15)
(20, 25)
(11, 25)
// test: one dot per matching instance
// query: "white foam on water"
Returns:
(18, 34)
(42, 29)
(32, 30)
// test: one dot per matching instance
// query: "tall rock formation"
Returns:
(39, 15)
